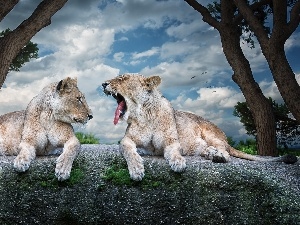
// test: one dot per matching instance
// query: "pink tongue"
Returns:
(118, 111)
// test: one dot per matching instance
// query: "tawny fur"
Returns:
(45, 125)
(154, 125)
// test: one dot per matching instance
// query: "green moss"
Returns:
(49, 182)
(76, 176)
(47, 179)
(118, 174)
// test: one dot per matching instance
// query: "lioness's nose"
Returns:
(90, 117)
(104, 85)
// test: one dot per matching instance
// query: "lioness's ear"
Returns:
(66, 84)
(153, 81)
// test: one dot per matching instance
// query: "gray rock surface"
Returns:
(99, 192)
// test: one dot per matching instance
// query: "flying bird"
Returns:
(201, 74)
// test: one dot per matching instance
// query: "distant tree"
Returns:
(230, 141)
(86, 138)
(242, 111)
(223, 17)
(248, 146)
(14, 41)
(29, 51)
(287, 128)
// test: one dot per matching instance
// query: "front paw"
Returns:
(21, 164)
(62, 170)
(136, 167)
(177, 163)
(137, 172)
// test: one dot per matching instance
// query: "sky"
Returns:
(97, 40)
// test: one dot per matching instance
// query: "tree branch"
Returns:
(40, 18)
(204, 12)
(294, 19)
(227, 11)
(239, 17)
(12, 43)
(279, 13)
(253, 22)
(6, 6)
(279, 21)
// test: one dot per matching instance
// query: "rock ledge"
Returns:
(99, 192)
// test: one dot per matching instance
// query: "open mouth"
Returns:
(121, 108)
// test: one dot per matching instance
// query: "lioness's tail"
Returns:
(289, 159)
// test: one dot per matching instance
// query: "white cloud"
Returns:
(223, 97)
(213, 104)
(270, 89)
(186, 29)
(292, 42)
(81, 38)
(123, 39)
(118, 56)
(148, 53)
(208, 100)
(151, 14)
(135, 62)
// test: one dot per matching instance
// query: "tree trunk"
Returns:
(6, 6)
(273, 48)
(12, 43)
(260, 107)
(284, 78)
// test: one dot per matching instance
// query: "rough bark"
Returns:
(238, 192)
(6, 6)
(259, 106)
(12, 43)
(285, 80)
(273, 48)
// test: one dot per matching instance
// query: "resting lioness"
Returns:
(45, 125)
(154, 125)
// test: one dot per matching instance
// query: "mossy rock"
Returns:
(101, 192)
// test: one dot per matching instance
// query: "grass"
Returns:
(86, 138)
(295, 152)
(249, 146)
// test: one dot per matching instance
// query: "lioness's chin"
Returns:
(125, 116)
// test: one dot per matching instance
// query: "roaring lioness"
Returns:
(154, 125)
(45, 125)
